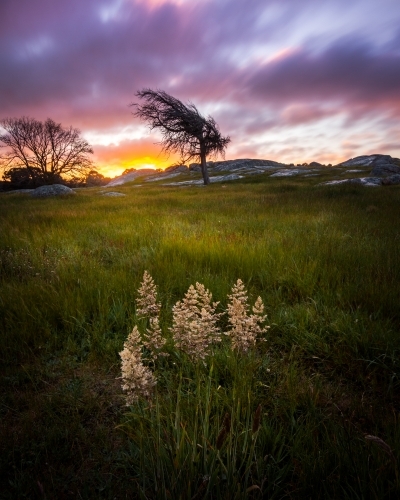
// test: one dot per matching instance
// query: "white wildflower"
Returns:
(244, 327)
(137, 379)
(194, 322)
(148, 307)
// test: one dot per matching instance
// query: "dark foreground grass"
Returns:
(326, 262)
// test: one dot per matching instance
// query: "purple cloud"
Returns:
(258, 67)
(348, 71)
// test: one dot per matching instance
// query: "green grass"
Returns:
(326, 262)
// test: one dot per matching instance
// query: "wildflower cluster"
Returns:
(244, 327)
(194, 322)
(194, 331)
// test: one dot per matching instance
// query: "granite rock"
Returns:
(52, 190)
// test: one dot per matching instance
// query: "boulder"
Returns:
(383, 169)
(52, 190)
(391, 180)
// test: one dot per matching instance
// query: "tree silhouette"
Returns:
(184, 130)
(45, 149)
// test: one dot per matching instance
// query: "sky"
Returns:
(288, 80)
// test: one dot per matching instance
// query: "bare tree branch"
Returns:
(185, 131)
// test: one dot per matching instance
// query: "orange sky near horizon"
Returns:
(117, 167)
(133, 162)
(144, 150)
(112, 159)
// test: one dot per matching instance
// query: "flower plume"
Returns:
(194, 322)
(146, 303)
(148, 307)
(137, 379)
(244, 327)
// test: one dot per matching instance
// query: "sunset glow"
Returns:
(287, 81)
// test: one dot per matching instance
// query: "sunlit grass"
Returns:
(326, 262)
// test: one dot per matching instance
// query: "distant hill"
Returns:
(377, 166)
(367, 170)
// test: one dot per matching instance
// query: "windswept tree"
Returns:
(185, 131)
(46, 151)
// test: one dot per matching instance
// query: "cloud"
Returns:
(282, 68)
(348, 73)
(295, 114)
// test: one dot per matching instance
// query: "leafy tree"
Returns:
(42, 151)
(184, 129)
(94, 178)
(21, 177)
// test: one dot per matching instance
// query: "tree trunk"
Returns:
(203, 159)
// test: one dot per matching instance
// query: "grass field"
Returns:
(326, 263)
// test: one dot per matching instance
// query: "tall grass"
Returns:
(325, 261)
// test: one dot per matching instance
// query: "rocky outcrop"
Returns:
(365, 161)
(233, 169)
(243, 164)
(130, 176)
(379, 170)
(383, 169)
(361, 181)
(200, 182)
(382, 165)
(176, 169)
(290, 172)
(169, 173)
(240, 167)
(362, 161)
(367, 181)
(391, 180)
(52, 190)
(162, 176)
(195, 167)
